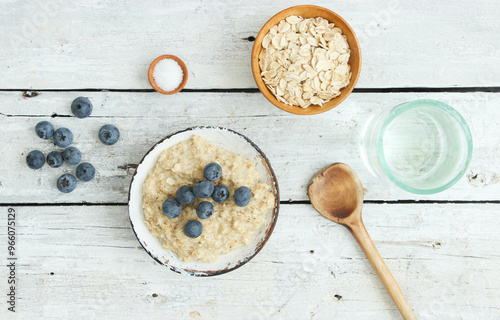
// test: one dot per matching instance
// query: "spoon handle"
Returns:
(366, 243)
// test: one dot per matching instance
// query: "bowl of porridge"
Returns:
(165, 212)
(306, 60)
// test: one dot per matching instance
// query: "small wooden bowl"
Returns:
(152, 79)
(309, 11)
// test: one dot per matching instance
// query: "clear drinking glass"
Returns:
(423, 146)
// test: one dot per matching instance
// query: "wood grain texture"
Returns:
(298, 147)
(54, 44)
(82, 261)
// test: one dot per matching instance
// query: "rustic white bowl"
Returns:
(233, 142)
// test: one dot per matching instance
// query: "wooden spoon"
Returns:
(337, 194)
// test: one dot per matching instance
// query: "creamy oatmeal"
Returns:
(230, 226)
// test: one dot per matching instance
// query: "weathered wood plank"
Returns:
(76, 261)
(54, 44)
(297, 147)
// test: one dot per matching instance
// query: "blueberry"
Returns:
(193, 228)
(220, 194)
(85, 171)
(203, 189)
(35, 159)
(81, 107)
(44, 129)
(72, 155)
(63, 137)
(185, 195)
(204, 210)
(171, 208)
(109, 134)
(55, 159)
(212, 171)
(66, 183)
(242, 196)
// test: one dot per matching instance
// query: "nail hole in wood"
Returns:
(30, 94)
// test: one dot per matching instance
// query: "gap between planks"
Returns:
(256, 90)
(284, 202)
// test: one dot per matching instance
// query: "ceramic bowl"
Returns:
(308, 11)
(232, 141)
(152, 79)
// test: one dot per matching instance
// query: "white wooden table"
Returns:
(76, 255)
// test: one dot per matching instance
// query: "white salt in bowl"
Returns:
(155, 85)
(234, 142)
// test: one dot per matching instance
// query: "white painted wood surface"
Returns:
(297, 146)
(109, 44)
(83, 261)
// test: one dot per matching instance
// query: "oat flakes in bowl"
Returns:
(232, 235)
(306, 60)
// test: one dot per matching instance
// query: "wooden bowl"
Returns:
(152, 79)
(309, 11)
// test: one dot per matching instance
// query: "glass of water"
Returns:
(423, 146)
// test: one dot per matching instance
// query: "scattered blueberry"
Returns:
(66, 183)
(193, 228)
(63, 137)
(204, 210)
(72, 155)
(109, 134)
(220, 194)
(212, 171)
(242, 196)
(203, 189)
(35, 159)
(55, 159)
(185, 195)
(44, 129)
(85, 171)
(171, 208)
(81, 107)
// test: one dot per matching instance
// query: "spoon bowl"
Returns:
(337, 194)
